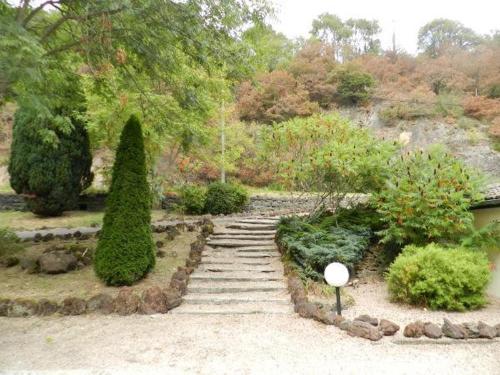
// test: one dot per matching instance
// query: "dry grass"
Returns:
(71, 219)
(84, 283)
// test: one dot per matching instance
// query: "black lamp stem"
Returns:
(339, 308)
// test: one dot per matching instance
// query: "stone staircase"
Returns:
(240, 272)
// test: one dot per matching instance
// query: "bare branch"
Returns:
(68, 17)
(38, 9)
(23, 6)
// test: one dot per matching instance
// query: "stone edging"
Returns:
(154, 300)
(371, 328)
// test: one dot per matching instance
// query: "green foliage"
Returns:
(328, 157)
(125, 250)
(441, 34)
(225, 198)
(449, 105)
(494, 91)
(486, 238)
(354, 86)
(313, 246)
(10, 244)
(404, 111)
(427, 198)
(193, 199)
(50, 159)
(439, 278)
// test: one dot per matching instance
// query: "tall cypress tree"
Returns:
(125, 250)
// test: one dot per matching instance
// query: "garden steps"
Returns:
(240, 273)
(239, 243)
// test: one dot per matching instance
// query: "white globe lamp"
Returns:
(337, 275)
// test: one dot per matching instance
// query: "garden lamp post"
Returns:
(337, 275)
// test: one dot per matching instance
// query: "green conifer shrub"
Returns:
(50, 159)
(125, 250)
(225, 198)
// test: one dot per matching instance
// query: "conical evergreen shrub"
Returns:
(125, 250)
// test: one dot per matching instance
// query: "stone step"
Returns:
(252, 227)
(239, 243)
(233, 267)
(254, 254)
(243, 232)
(202, 286)
(243, 248)
(250, 237)
(237, 261)
(219, 277)
(258, 221)
(234, 298)
(234, 309)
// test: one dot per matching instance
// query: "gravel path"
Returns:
(176, 344)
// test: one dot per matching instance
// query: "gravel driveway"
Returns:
(175, 344)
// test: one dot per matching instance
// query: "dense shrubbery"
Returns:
(225, 198)
(193, 199)
(427, 198)
(125, 250)
(439, 278)
(9, 243)
(312, 245)
(50, 160)
(354, 86)
(329, 157)
(407, 111)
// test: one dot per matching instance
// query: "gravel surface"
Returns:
(174, 344)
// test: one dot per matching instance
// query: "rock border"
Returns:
(371, 328)
(154, 300)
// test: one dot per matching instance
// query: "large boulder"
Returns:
(5, 306)
(367, 319)
(127, 302)
(173, 298)
(22, 308)
(454, 331)
(497, 327)
(57, 262)
(471, 330)
(100, 303)
(153, 301)
(387, 327)
(29, 265)
(365, 330)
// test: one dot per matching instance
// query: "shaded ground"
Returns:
(84, 283)
(17, 220)
(174, 344)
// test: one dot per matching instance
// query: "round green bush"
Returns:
(225, 198)
(193, 199)
(439, 278)
(125, 250)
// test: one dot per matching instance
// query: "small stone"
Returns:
(57, 262)
(497, 327)
(367, 319)
(22, 308)
(191, 227)
(126, 303)
(5, 306)
(172, 254)
(327, 317)
(172, 298)
(153, 301)
(180, 274)
(387, 327)
(101, 303)
(161, 254)
(48, 237)
(10, 261)
(486, 331)
(73, 306)
(29, 265)
(432, 331)
(365, 330)
(159, 244)
(471, 330)
(46, 307)
(307, 310)
(414, 330)
(453, 331)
